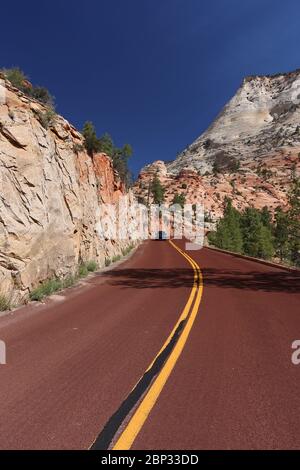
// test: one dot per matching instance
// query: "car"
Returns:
(161, 235)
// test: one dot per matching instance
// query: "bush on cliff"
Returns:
(42, 94)
(16, 77)
(46, 118)
(19, 80)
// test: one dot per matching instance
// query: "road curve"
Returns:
(72, 362)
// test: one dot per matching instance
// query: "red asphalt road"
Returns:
(71, 363)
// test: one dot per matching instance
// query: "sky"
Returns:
(152, 73)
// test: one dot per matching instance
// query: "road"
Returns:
(162, 352)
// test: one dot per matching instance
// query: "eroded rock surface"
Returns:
(51, 196)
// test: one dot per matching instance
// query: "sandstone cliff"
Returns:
(249, 153)
(51, 196)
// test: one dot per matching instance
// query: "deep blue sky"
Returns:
(153, 73)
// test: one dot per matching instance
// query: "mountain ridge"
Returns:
(253, 144)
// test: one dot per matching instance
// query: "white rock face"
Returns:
(250, 153)
(262, 117)
(50, 197)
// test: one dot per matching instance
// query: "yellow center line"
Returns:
(139, 417)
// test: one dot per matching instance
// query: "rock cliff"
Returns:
(51, 196)
(250, 152)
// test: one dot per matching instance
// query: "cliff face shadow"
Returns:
(273, 281)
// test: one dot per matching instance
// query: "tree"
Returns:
(266, 243)
(257, 237)
(120, 163)
(266, 217)
(179, 199)
(281, 234)
(157, 191)
(91, 142)
(294, 222)
(228, 235)
(127, 151)
(106, 144)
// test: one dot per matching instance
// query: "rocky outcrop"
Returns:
(51, 196)
(250, 153)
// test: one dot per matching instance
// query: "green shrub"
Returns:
(16, 77)
(106, 145)
(47, 288)
(116, 258)
(46, 118)
(91, 141)
(82, 270)
(184, 186)
(107, 262)
(4, 303)
(19, 80)
(91, 266)
(42, 95)
(127, 250)
(69, 281)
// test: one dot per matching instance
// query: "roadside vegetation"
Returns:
(5, 303)
(51, 286)
(116, 258)
(256, 233)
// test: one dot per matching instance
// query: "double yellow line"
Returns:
(189, 314)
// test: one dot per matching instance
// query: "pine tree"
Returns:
(90, 138)
(120, 163)
(266, 243)
(157, 191)
(228, 235)
(257, 237)
(281, 234)
(106, 144)
(266, 217)
(294, 222)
